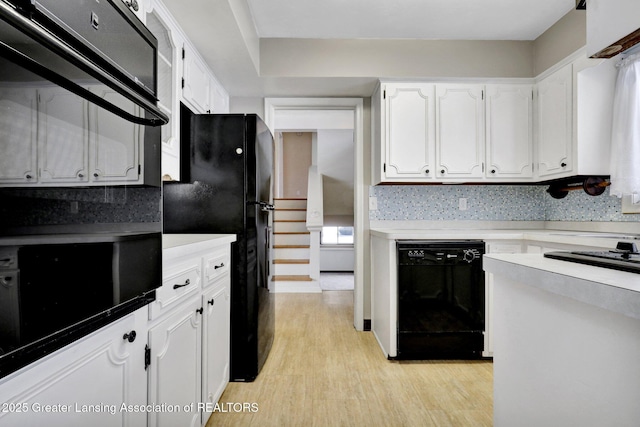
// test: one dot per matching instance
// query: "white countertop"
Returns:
(612, 290)
(176, 240)
(597, 239)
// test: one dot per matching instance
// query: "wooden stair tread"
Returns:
(291, 246)
(289, 220)
(290, 198)
(287, 278)
(291, 261)
(291, 232)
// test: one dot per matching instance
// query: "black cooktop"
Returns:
(615, 259)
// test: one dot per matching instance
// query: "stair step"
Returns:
(291, 232)
(289, 220)
(291, 261)
(291, 278)
(291, 246)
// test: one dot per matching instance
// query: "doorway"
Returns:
(295, 113)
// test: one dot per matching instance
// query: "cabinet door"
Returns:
(196, 90)
(555, 123)
(409, 131)
(460, 131)
(63, 137)
(115, 143)
(509, 132)
(219, 98)
(164, 28)
(215, 343)
(175, 369)
(18, 131)
(91, 379)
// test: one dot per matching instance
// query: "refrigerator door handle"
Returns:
(263, 205)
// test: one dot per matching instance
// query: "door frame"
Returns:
(271, 107)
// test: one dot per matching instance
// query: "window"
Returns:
(336, 236)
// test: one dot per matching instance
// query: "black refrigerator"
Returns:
(225, 188)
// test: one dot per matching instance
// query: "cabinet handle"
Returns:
(80, 175)
(215, 267)
(563, 164)
(28, 176)
(211, 301)
(95, 174)
(186, 283)
(200, 310)
(131, 336)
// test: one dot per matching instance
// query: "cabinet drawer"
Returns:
(216, 265)
(179, 281)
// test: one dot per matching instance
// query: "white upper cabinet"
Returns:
(196, 89)
(18, 133)
(509, 131)
(459, 131)
(410, 131)
(608, 21)
(63, 155)
(555, 124)
(170, 41)
(433, 132)
(115, 147)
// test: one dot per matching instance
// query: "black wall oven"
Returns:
(441, 305)
(80, 196)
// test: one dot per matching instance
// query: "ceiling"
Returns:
(407, 19)
(230, 34)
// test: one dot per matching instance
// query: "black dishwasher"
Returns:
(440, 299)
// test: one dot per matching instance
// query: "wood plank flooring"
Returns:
(322, 372)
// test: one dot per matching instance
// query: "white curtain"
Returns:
(625, 138)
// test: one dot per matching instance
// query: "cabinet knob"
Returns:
(441, 170)
(80, 175)
(200, 310)
(426, 171)
(95, 174)
(493, 171)
(28, 176)
(563, 164)
(211, 301)
(131, 336)
(186, 283)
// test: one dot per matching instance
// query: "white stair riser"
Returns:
(290, 269)
(289, 226)
(291, 239)
(291, 253)
(290, 215)
(290, 204)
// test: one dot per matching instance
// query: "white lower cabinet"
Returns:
(215, 345)
(189, 331)
(175, 365)
(96, 381)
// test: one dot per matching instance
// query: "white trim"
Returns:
(285, 287)
(271, 107)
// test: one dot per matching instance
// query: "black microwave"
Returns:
(77, 45)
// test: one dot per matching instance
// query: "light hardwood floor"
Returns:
(322, 372)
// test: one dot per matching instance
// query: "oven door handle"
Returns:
(38, 33)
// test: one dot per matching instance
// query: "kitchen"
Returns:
(299, 60)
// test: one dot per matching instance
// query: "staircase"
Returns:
(291, 248)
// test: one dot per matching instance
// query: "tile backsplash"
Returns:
(81, 206)
(491, 203)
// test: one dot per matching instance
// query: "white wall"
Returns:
(336, 259)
